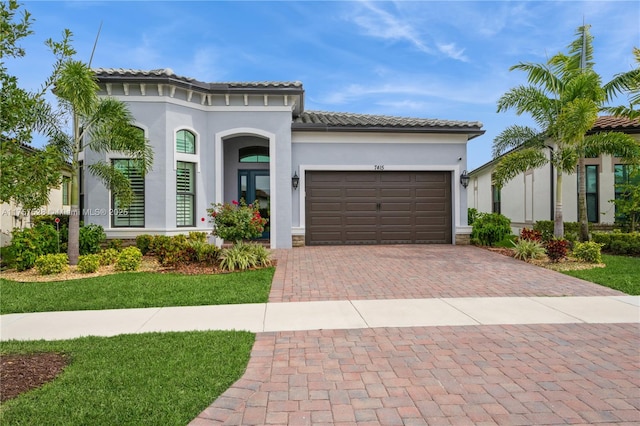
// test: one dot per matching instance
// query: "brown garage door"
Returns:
(378, 207)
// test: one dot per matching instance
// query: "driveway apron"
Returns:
(486, 374)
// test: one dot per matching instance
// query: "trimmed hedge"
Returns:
(619, 242)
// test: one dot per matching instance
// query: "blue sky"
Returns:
(430, 59)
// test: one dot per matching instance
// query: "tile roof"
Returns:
(167, 73)
(340, 120)
(609, 122)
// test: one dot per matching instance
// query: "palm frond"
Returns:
(516, 136)
(115, 180)
(77, 85)
(577, 118)
(540, 75)
(514, 163)
(613, 143)
(531, 100)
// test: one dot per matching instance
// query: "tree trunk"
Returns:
(73, 249)
(582, 200)
(558, 223)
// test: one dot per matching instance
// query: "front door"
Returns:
(253, 185)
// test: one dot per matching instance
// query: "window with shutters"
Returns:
(185, 142)
(133, 215)
(185, 194)
(66, 185)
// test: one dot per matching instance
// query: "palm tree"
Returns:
(101, 125)
(563, 97)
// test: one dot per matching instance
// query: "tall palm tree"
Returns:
(101, 125)
(563, 97)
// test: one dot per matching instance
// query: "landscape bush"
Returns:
(129, 259)
(490, 228)
(530, 234)
(29, 243)
(108, 256)
(89, 263)
(237, 221)
(197, 236)
(545, 227)
(528, 249)
(91, 238)
(621, 243)
(49, 264)
(557, 249)
(144, 242)
(242, 256)
(472, 214)
(589, 251)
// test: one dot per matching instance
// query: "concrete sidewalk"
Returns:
(320, 315)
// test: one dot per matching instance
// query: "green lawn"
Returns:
(150, 379)
(622, 273)
(136, 290)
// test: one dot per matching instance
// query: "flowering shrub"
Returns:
(237, 221)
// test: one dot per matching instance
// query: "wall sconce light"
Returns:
(295, 180)
(464, 179)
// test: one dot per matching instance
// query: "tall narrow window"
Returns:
(132, 216)
(624, 176)
(591, 180)
(185, 194)
(185, 142)
(66, 183)
(495, 198)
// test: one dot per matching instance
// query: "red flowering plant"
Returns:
(236, 221)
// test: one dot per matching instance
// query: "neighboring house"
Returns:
(14, 216)
(530, 196)
(321, 177)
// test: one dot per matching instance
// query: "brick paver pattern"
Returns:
(472, 375)
(414, 272)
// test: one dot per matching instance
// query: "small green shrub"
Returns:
(129, 259)
(557, 249)
(490, 228)
(115, 244)
(244, 256)
(108, 256)
(621, 243)
(472, 215)
(202, 252)
(197, 236)
(262, 254)
(49, 264)
(144, 242)
(588, 252)
(91, 237)
(528, 249)
(89, 263)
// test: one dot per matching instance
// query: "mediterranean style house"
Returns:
(319, 177)
(530, 196)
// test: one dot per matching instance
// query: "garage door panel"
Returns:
(396, 192)
(360, 192)
(378, 207)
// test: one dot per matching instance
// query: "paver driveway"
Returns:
(499, 374)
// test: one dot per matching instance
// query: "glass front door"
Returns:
(254, 186)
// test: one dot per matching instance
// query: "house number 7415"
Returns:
(378, 167)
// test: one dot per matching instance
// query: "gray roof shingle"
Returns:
(316, 120)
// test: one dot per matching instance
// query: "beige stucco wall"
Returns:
(12, 216)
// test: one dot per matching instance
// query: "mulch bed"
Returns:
(20, 373)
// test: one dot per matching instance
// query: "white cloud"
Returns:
(452, 51)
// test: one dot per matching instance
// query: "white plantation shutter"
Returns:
(132, 216)
(185, 194)
(185, 142)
